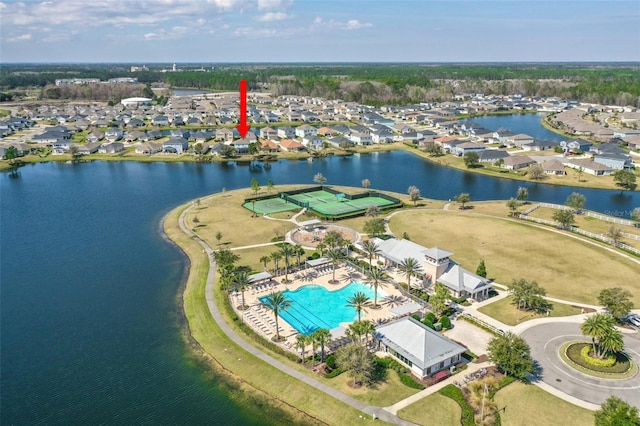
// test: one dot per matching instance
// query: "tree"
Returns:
(270, 186)
(513, 206)
(576, 201)
(376, 278)
(366, 183)
(374, 227)
(335, 255)
(319, 178)
(372, 211)
(522, 194)
(597, 326)
(277, 302)
(321, 337)
(616, 412)
(359, 301)
(564, 218)
(276, 257)
(299, 252)
(414, 194)
(241, 282)
(463, 199)
(255, 186)
(482, 269)
(625, 179)
(264, 260)
(372, 250)
(409, 267)
(438, 300)
(287, 251)
(528, 295)
(301, 344)
(196, 220)
(512, 355)
(536, 172)
(357, 361)
(225, 260)
(615, 233)
(11, 154)
(227, 151)
(471, 160)
(334, 239)
(617, 301)
(635, 214)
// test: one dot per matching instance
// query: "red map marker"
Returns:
(243, 128)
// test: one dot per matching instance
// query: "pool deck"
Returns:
(262, 320)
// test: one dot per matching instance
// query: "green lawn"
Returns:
(529, 405)
(505, 312)
(434, 410)
(382, 394)
(566, 267)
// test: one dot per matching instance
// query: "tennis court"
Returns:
(330, 204)
(271, 205)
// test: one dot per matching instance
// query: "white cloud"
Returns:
(274, 4)
(271, 16)
(354, 24)
(23, 37)
(255, 33)
(351, 24)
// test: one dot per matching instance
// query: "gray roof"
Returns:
(459, 279)
(417, 342)
(260, 276)
(398, 250)
(437, 253)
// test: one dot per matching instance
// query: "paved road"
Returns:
(546, 339)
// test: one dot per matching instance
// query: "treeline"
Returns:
(94, 92)
(374, 84)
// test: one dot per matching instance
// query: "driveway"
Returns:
(546, 339)
(474, 338)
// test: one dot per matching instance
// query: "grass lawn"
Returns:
(251, 381)
(382, 395)
(591, 224)
(505, 312)
(524, 403)
(514, 250)
(434, 410)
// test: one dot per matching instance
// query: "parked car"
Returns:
(633, 319)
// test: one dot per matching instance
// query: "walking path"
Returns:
(374, 411)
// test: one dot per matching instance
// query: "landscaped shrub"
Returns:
(608, 361)
(415, 317)
(334, 373)
(409, 381)
(469, 355)
(446, 322)
(331, 362)
(437, 326)
(458, 299)
(428, 323)
(453, 392)
(431, 317)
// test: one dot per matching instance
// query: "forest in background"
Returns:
(371, 84)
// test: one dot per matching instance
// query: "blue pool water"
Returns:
(313, 306)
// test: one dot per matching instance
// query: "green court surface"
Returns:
(271, 205)
(329, 204)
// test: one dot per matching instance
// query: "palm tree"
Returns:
(275, 256)
(513, 206)
(335, 255)
(287, 251)
(277, 302)
(376, 278)
(368, 328)
(322, 337)
(241, 281)
(265, 260)
(597, 326)
(359, 301)
(409, 267)
(371, 249)
(321, 247)
(301, 344)
(298, 251)
(612, 342)
(355, 331)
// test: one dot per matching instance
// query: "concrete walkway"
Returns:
(370, 410)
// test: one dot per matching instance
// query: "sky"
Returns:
(187, 31)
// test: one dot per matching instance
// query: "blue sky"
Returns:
(148, 31)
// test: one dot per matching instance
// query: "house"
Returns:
(359, 138)
(447, 143)
(503, 136)
(326, 131)
(417, 346)
(305, 130)
(575, 146)
(313, 142)
(540, 146)
(111, 148)
(519, 140)
(589, 166)
(160, 120)
(51, 136)
(269, 146)
(340, 142)
(615, 161)
(286, 132)
(516, 162)
(290, 145)
(268, 133)
(492, 155)
(461, 149)
(149, 148)
(225, 135)
(175, 146)
(89, 148)
(554, 167)
(113, 134)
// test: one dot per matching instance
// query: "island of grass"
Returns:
(221, 221)
(580, 356)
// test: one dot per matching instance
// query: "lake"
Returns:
(90, 323)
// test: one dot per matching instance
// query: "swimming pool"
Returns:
(314, 306)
